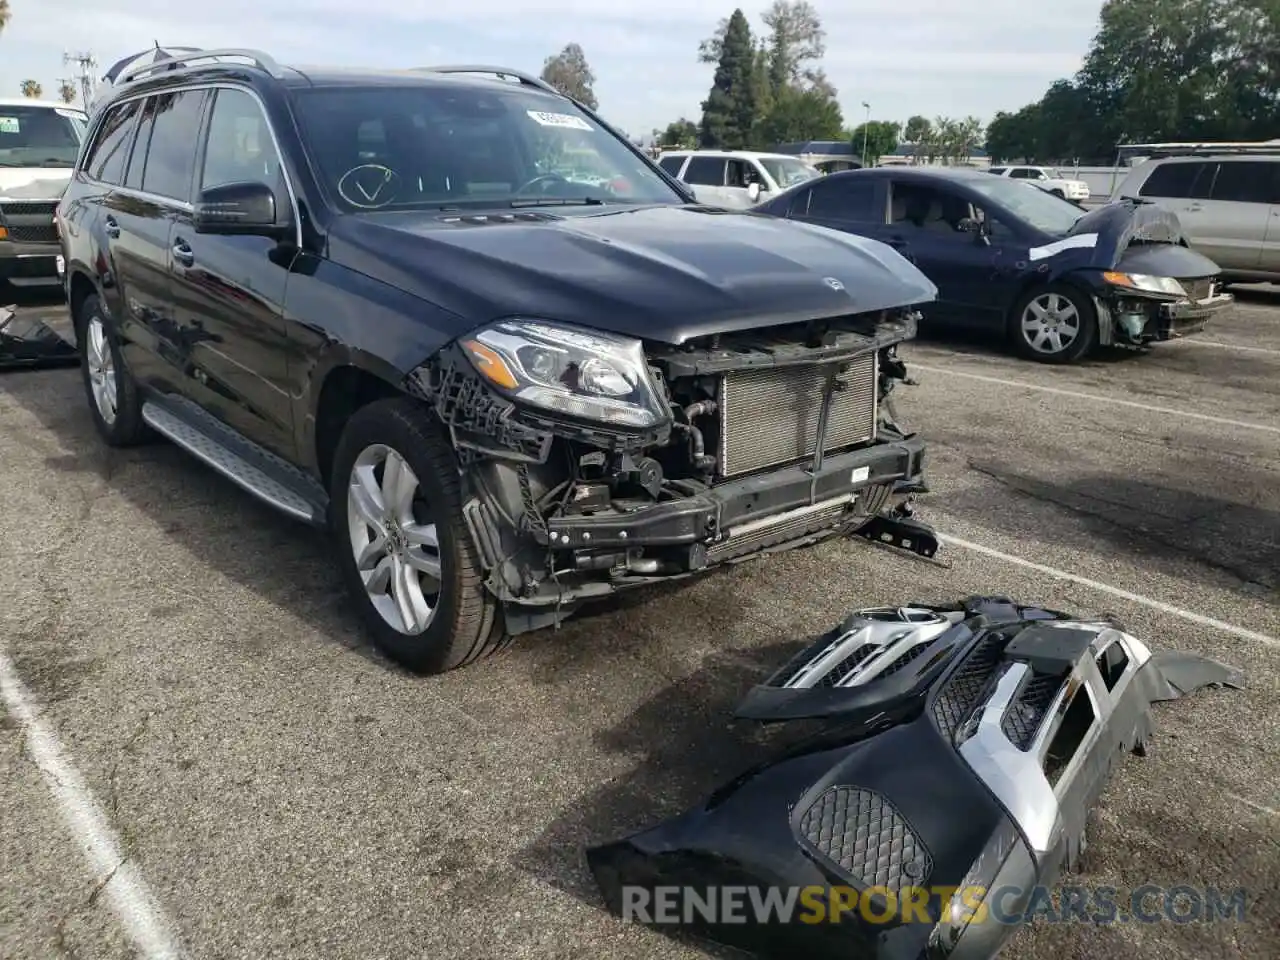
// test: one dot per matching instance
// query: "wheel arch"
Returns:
(346, 386)
(80, 287)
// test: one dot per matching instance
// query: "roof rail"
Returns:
(525, 78)
(191, 55)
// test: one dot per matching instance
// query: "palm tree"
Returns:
(4, 14)
(66, 91)
(32, 88)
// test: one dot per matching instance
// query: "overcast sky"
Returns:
(934, 57)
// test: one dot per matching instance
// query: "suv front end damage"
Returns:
(960, 750)
(596, 462)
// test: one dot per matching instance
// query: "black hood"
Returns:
(1129, 225)
(665, 273)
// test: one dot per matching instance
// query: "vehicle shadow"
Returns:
(690, 747)
(284, 562)
(1150, 520)
(985, 345)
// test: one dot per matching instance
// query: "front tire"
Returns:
(1054, 324)
(113, 394)
(403, 547)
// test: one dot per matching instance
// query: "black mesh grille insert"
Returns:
(848, 665)
(957, 698)
(1026, 713)
(862, 832)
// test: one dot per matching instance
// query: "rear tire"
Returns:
(114, 399)
(403, 547)
(1054, 324)
(1059, 194)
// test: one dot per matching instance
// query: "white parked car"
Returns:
(1047, 179)
(736, 179)
(39, 141)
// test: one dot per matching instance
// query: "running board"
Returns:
(255, 470)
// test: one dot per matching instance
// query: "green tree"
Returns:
(802, 115)
(729, 112)
(1159, 70)
(797, 41)
(569, 73)
(32, 88)
(681, 133)
(881, 137)
(1013, 137)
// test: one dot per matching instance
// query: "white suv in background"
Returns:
(1047, 179)
(1229, 207)
(736, 179)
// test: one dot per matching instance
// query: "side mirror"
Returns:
(753, 192)
(239, 209)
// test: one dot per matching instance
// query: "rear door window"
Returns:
(171, 157)
(851, 198)
(705, 171)
(672, 165)
(1179, 181)
(106, 159)
(1247, 181)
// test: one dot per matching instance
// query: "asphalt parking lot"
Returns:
(233, 772)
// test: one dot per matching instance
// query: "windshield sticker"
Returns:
(1082, 242)
(565, 120)
(10, 125)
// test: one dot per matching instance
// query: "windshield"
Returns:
(1036, 207)
(787, 173)
(441, 146)
(38, 136)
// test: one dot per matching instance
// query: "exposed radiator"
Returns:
(769, 417)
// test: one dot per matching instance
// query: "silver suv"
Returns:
(1229, 207)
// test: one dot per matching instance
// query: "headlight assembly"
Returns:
(1148, 284)
(570, 371)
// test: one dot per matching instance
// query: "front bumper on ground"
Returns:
(27, 342)
(954, 768)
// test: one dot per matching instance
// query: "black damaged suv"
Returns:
(453, 315)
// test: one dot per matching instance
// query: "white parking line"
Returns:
(1111, 401)
(119, 881)
(1261, 808)
(1230, 346)
(1160, 605)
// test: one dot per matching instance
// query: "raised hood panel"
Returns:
(661, 273)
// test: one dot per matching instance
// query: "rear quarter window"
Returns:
(106, 157)
(1247, 181)
(672, 165)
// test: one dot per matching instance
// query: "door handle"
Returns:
(183, 253)
(112, 228)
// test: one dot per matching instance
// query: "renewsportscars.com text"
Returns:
(1183, 903)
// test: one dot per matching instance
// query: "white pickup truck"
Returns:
(1047, 179)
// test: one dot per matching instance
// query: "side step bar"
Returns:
(257, 471)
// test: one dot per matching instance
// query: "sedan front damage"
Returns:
(960, 751)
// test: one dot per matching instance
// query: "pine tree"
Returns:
(729, 111)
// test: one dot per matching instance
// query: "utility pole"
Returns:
(866, 125)
(86, 65)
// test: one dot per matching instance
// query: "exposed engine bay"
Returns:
(959, 750)
(739, 443)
